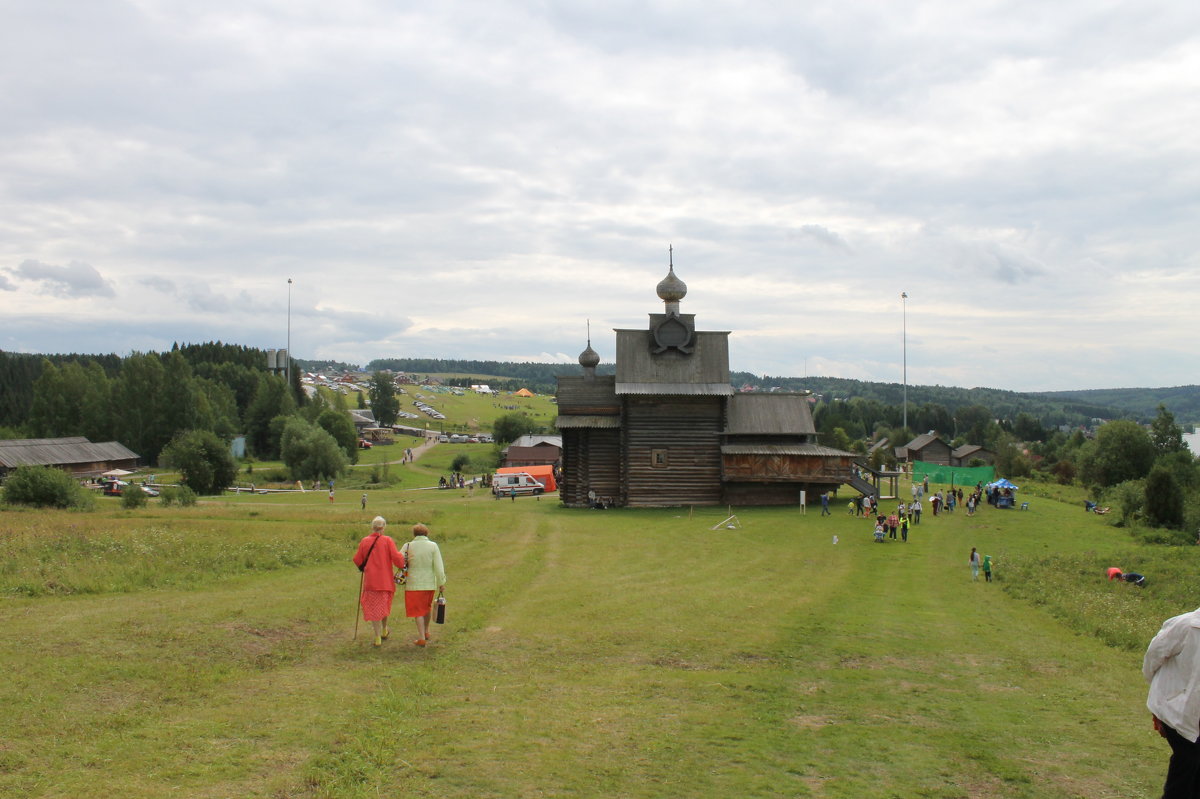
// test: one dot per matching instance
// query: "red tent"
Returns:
(543, 474)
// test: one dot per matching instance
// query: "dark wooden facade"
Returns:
(668, 429)
(928, 448)
(672, 450)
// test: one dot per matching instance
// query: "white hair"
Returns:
(378, 523)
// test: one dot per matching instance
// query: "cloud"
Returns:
(160, 284)
(73, 281)
(1001, 263)
(500, 176)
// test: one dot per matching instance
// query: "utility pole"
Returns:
(289, 336)
(904, 349)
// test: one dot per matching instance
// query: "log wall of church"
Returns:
(591, 462)
(672, 450)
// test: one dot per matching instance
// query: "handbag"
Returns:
(402, 576)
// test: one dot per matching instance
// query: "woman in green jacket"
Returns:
(426, 575)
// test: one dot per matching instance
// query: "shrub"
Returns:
(1129, 496)
(276, 475)
(45, 486)
(183, 495)
(1164, 499)
(132, 496)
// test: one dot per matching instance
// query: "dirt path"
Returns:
(429, 443)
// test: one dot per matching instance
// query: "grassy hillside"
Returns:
(209, 652)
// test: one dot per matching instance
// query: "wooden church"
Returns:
(669, 429)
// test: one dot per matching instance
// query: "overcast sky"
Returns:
(477, 180)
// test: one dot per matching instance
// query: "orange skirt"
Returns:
(418, 603)
(376, 605)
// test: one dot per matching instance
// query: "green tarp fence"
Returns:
(953, 475)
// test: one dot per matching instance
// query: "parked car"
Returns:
(364, 444)
(112, 488)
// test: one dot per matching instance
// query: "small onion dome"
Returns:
(589, 358)
(671, 288)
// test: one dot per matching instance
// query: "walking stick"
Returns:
(362, 576)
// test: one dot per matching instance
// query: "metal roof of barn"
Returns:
(60, 451)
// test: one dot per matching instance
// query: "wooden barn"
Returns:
(75, 455)
(668, 429)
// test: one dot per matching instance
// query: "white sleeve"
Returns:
(1166, 645)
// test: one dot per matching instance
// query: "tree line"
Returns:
(182, 409)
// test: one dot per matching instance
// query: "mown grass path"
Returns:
(620, 653)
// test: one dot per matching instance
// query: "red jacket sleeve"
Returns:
(378, 574)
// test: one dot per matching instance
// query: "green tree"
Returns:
(838, 439)
(384, 402)
(95, 410)
(1166, 435)
(1164, 499)
(976, 423)
(1184, 466)
(204, 461)
(338, 424)
(140, 423)
(1122, 450)
(52, 412)
(178, 404)
(271, 399)
(1026, 427)
(217, 408)
(309, 452)
(510, 426)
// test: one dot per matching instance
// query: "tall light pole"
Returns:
(289, 336)
(904, 348)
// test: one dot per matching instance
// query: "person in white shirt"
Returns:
(1172, 667)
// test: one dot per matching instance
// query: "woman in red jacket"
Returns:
(376, 556)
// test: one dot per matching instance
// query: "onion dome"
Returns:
(671, 288)
(589, 358)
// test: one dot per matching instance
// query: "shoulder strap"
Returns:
(372, 549)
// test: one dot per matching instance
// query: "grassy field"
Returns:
(209, 652)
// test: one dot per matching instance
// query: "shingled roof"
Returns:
(60, 452)
(769, 414)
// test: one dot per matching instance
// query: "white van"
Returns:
(506, 485)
